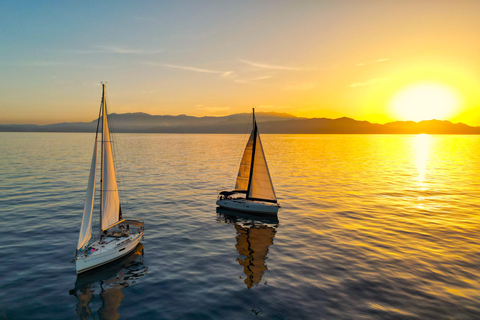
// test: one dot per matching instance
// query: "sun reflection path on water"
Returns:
(422, 144)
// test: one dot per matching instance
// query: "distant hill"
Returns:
(270, 122)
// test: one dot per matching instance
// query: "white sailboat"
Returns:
(117, 236)
(253, 189)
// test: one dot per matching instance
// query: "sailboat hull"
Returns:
(244, 205)
(111, 249)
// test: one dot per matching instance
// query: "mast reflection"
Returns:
(255, 235)
(108, 282)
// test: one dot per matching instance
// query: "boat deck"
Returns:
(124, 233)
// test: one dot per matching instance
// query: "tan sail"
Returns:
(244, 170)
(261, 186)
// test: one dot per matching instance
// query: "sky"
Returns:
(373, 60)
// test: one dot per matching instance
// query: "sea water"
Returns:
(371, 227)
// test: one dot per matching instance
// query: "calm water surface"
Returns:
(371, 227)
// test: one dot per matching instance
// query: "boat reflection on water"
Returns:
(255, 235)
(107, 283)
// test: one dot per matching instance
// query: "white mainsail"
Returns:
(86, 228)
(111, 201)
(245, 165)
(261, 186)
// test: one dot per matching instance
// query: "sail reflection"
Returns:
(255, 235)
(107, 283)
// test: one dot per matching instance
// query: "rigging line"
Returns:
(247, 129)
(119, 174)
(98, 163)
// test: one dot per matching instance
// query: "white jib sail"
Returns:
(245, 164)
(86, 228)
(261, 186)
(111, 201)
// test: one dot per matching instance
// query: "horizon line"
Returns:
(291, 117)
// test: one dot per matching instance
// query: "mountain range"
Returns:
(269, 122)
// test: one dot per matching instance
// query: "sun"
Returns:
(425, 101)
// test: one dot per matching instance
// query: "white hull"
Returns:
(249, 206)
(111, 249)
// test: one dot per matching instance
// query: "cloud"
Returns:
(115, 50)
(271, 66)
(187, 68)
(229, 74)
(224, 74)
(112, 49)
(123, 50)
(249, 80)
(369, 82)
(361, 64)
(30, 64)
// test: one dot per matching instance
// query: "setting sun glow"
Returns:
(425, 101)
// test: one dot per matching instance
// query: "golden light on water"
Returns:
(422, 148)
(425, 101)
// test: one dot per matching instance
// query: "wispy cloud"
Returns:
(254, 79)
(224, 74)
(187, 68)
(361, 64)
(115, 50)
(267, 66)
(124, 50)
(33, 64)
(369, 82)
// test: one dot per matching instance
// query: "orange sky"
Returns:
(312, 59)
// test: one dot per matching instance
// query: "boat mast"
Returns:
(253, 154)
(101, 172)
